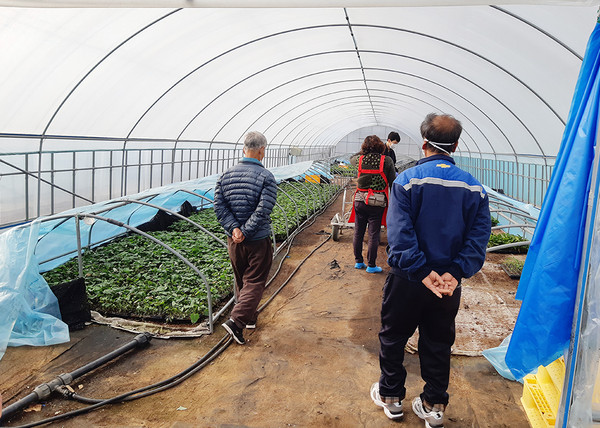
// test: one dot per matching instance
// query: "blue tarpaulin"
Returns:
(548, 283)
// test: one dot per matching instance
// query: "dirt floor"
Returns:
(309, 363)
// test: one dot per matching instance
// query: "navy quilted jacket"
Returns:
(245, 195)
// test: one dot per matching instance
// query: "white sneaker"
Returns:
(433, 418)
(392, 406)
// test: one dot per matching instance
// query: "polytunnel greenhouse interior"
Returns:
(117, 118)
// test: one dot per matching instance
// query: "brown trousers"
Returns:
(251, 262)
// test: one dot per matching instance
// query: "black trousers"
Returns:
(406, 306)
(366, 214)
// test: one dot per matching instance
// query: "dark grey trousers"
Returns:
(371, 216)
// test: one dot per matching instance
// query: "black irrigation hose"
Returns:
(296, 232)
(197, 366)
(128, 396)
(43, 391)
(300, 229)
(164, 384)
(292, 274)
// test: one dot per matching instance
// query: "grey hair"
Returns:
(441, 129)
(255, 140)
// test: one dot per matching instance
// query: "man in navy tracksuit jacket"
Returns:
(438, 229)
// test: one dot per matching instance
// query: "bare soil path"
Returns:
(309, 363)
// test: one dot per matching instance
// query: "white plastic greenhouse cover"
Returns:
(81, 80)
(304, 76)
(111, 76)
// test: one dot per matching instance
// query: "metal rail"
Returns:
(125, 171)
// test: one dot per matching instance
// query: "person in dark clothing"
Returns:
(245, 196)
(392, 140)
(375, 172)
(438, 228)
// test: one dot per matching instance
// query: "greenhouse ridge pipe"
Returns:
(362, 67)
(44, 390)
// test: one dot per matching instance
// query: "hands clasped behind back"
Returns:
(237, 235)
(440, 285)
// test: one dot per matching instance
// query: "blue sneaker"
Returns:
(375, 269)
(360, 266)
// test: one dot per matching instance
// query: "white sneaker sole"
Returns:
(418, 412)
(380, 403)
(230, 331)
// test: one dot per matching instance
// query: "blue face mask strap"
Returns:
(438, 147)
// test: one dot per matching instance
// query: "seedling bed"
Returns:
(134, 277)
(512, 267)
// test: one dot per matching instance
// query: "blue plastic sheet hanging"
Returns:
(548, 283)
(29, 312)
(496, 357)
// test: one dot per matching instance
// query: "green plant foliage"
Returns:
(296, 201)
(513, 263)
(344, 170)
(133, 276)
(495, 221)
(513, 267)
(507, 238)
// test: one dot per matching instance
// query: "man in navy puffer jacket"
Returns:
(244, 197)
(438, 228)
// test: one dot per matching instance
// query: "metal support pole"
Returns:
(79, 258)
(574, 355)
(52, 181)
